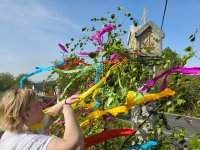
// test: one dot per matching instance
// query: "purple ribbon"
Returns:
(49, 103)
(182, 70)
(87, 53)
(113, 56)
(116, 55)
(98, 34)
(98, 50)
(60, 122)
(63, 48)
(134, 54)
(84, 53)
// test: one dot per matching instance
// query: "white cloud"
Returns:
(31, 14)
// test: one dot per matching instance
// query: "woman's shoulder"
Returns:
(7, 135)
(26, 139)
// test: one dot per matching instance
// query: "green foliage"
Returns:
(49, 87)
(171, 57)
(26, 82)
(194, 144)
(187, 96)
(6, 81)
(128, 77)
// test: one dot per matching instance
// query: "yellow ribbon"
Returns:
(130, 102)
(39, 125)
(90, 90)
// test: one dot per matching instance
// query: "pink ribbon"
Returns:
(60, 122)
(63, 48)
(113, 56)
(98, 35)
(49, 103)
(87, 53)
(83, 53)
(182, 70)
(116, 55)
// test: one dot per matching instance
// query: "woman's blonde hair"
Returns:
(12, 104)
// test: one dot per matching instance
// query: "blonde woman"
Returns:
(20, 112)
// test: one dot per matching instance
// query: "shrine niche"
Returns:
(147, 39)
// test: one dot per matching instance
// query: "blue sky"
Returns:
(31, 29)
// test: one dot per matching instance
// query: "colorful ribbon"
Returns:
(49, 103)
(147, 145)
(84, 70)
(89, 124)
(89, 91)
(87, 53)
(130, 102)
(39, 69)
(106, 135)
(63, 48)
(98, 35)
(96, 80)
(183, 70)
(39, 125)
(71, 63)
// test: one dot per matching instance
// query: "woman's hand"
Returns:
(72, 99)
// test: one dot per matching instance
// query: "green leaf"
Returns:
(112, 16)
(137, 96)
(177, 117)
(182, 131)
(120, 8)
(169, 103)
(127, 14)
(195, 144)
(171, 110)
(102, 19)
(159, 131)
(168, 61)
(191, 36)
(165, 66)
(198, 103)
(124, 32)
(81, 44)
(188, 49)
(92, 55)
(135, 23)
(119, 25)
(180, 101)
(108, 102)
(93, 28)
(83, 29)
(104, 53)
(182, 141)
(192, 39)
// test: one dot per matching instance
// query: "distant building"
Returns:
(38, 88)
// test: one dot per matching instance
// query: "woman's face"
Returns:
(34, 113)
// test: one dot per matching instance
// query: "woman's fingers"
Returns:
(73, 99)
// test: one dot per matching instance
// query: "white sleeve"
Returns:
(38, 142)
(24, 141)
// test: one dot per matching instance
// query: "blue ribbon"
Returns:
(98, 72)
(38, 70)
(149, 144)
